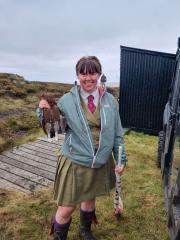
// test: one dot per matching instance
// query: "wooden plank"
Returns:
(4, 184)
(46, 147)
(27, 167)
(28, 161)
(18, 180)
(60, 137)
(44, 143)
(53, 142)
(25, 174)
(36, 153)
(35, 158)
(35, 148)
(51, 145)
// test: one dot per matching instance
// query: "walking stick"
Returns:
(118, 204)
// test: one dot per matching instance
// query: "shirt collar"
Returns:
(85, 94)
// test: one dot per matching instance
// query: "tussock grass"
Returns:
(8, 104)
(25, 216)
(18, 129)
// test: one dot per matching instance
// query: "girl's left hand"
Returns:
(119, 169)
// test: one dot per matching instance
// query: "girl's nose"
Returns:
(88, 77)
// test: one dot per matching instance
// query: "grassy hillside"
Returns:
(28, 216)
(16, 86)
(18, 101)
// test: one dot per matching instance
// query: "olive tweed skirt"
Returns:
(75, 183)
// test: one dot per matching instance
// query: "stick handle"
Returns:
(119, 155)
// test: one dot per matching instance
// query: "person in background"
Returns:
(86, 167)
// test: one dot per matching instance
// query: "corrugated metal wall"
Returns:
(145, 78)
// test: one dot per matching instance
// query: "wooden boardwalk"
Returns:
(30, 166)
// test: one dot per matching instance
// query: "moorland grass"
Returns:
(19, 99)
(18, 129)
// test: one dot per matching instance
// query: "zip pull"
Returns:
(93, 162)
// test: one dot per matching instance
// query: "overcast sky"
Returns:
(42, 39)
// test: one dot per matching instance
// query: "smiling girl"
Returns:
(86, 168)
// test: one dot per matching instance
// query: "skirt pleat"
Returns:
(75, 183)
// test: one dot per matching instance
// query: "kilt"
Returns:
(75, 183)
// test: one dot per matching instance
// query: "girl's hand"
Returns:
(119, 169)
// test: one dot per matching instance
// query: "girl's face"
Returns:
(88, 81)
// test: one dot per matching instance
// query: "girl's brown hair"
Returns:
(88, 65)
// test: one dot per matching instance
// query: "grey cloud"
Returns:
(44, 39)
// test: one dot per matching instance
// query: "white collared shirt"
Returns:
(85, 95)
